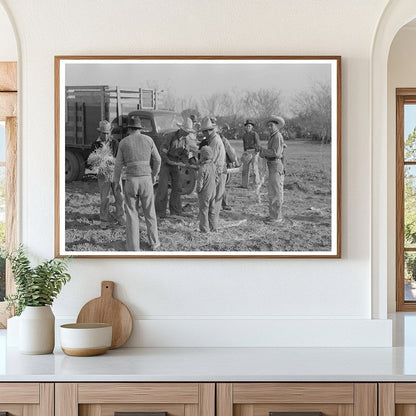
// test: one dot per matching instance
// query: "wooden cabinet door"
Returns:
(143, 399)
(26, 399)
(297, 399)
(397, 399)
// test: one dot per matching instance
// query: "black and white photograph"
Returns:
(198, 156)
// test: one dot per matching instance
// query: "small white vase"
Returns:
(12, 334)
(37, 330)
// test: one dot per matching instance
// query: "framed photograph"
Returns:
(198, 156)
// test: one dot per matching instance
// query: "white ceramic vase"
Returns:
(37, 330)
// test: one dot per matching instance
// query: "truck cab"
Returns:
(157, 124)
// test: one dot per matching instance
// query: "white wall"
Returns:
(8, 46)
(198, 302)
(401, 74)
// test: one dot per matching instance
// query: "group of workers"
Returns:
(201, 146)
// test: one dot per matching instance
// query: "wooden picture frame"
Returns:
(227, 92)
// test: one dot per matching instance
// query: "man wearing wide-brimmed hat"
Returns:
(175, 152)
(274, 157)
(139, 154)
(249, 158)
(213, 140)
(102, 158)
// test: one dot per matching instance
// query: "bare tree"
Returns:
(212, 104)
(232, 103)
(183, 103)
(169, 101)
(262, 103)
(313, 111)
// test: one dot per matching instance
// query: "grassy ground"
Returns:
(306, 225)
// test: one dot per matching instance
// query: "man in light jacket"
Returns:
(214, 141)
(274, 157)
(139, 154)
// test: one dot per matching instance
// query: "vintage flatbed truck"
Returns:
(85, 107)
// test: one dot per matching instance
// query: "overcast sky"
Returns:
(198, 79)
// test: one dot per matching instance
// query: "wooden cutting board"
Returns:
(108, 310)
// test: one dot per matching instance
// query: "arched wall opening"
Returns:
(396, 15)
(401, 74)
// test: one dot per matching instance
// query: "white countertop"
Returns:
(215, 364)
(222, 364)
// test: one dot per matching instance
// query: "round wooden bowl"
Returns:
(84, 340)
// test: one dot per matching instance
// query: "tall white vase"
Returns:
(37, 330)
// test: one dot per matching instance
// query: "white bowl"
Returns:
(83, 340)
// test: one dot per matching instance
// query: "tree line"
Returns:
(307, 113)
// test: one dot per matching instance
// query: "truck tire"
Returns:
(188, 180)
(81, 166)
(71, 166)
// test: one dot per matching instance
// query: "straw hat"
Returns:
(187, 126)
(104, 126)
(277, 120)
(207, 124)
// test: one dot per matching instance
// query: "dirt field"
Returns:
(306, 225)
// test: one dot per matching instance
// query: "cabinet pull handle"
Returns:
(139, 414)
(295, 413)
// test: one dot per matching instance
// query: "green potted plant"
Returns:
(36, 289)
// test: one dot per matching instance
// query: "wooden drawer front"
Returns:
(27, 399)
(293, 393)
(19, 393)
(138, 393)
(331, 399)
(104, 399)
(405, 393)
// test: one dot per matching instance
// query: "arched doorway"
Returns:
(401, 100)
(395, 16)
